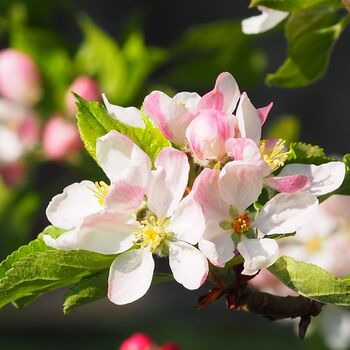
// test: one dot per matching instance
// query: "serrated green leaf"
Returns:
(94, 122)
(311, 281)
(95, 287)
(307, 154)
(293, 5)
(43, 271)
(86, 291)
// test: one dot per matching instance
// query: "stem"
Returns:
(274, 307)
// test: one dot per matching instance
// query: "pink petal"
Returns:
(223, 97)
(168, 183)
(243, 149)
(206, 192)
(287, 184)
(263, 112)
(171, 117)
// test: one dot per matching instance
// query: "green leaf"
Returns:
(86, 291)
(281, 235)
(100, 56)
(311, 35)
(221, 46)
(286, 127)
(95, 287)
(293, 5)
(307, 154)
(42, 271)
(345, 187)
(311, 281)
(94, 122)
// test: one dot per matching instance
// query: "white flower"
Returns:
(107, 220)
(267, 20)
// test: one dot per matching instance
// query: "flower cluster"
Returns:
(156, 209)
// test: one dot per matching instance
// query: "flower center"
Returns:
(274, 153)
(100, 191)
(313, 245)
(151, 234)
(241, 224)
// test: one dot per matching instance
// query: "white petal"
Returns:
(323, 178)
(249, 123)
(189, 266)
(187, 223)
(129, 115)
(286, 212)
(121, 159)
(240, 184)
(67, 209)
(258, 254)
(188, 99)
(106, 234)
(217, 245)
(66, 241)
(263, 22)
(10, 146)
(130, 276)
(168, 183)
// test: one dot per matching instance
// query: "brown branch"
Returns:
(346, 3)
(274, 307)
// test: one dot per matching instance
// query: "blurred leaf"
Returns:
(52, 58)
(101, 57)
(141, 62)
(293, 5)
(96, 287)
(311, 281)
(36, 269)
(311, 35)
(286, 127)
(94, 122)
(206, 50)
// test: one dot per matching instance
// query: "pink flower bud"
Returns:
(85, 87)
(60, 138)
(208, 132)
(13, 173)
(138, 341)
(170, 346)
(29, 131)
(19, 77)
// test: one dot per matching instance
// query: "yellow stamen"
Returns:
(275, 156)
(241, 224)
(313, 245)
(100, 191)
(151, 234)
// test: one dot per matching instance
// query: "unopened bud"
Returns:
(138, 341)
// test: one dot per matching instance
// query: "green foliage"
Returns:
(294, 5)
(121, 71)
(311, 35)
(95, 287)
(36, 269)
(286, 127)
(220, 46)
(345, 187)
(308, 154)
(94, 122)
(311, 281)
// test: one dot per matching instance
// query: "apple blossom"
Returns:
(60, 138)
(225, 196)
(19, 77)
(86, 88)
(109, 220)
(267, 20)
